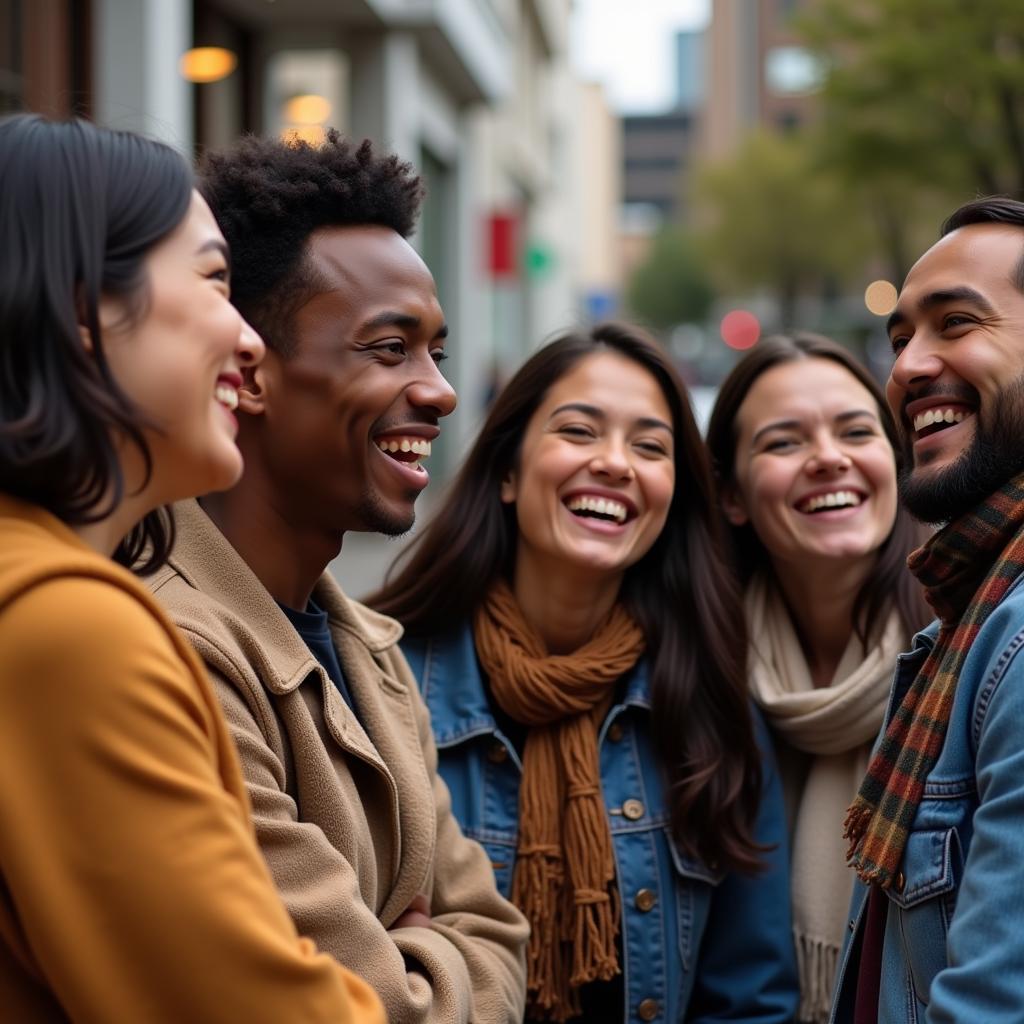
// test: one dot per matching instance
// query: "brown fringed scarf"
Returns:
(564, 880)
(966, 570)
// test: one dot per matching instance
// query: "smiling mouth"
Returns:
(829, 502)
(409, 451)
(227, 396)
(933, 421)
(608, 510)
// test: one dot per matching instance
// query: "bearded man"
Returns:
(936, 832)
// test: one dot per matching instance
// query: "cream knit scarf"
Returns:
(834, 727)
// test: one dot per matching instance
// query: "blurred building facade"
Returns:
(758, 73)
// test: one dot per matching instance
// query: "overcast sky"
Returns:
(628, 45)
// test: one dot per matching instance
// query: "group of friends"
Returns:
(641, 725)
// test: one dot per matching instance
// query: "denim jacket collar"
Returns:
(453, 688)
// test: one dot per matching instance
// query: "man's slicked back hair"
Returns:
(990, 210)
(270, 195)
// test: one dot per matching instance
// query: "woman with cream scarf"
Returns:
(805, 451)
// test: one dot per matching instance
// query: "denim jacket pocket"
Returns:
(925, 895)
(501, 849)
(697, 882)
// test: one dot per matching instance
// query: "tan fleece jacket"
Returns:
(351, 814)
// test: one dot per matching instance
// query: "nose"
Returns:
(827, 457)
(431, 390)
(611, 459)
(917, 363)
(251, 348)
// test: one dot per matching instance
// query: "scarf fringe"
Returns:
(538, 872)
(817, 962)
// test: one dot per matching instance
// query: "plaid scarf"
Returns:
(966, 570)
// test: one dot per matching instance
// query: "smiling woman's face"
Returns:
(814, 474)
(596, 470)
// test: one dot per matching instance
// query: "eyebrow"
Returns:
(392, 318)
(843, 417)
(215, 245)
(940, 298)
(645, 422)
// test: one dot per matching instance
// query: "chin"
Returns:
(379, 516)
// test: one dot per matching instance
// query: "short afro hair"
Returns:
(270, 195)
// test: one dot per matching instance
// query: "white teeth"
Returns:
(834, 499)
(602, 506)
(226, 395)
(416, 445)
(930, 416)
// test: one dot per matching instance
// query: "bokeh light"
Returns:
(207, 64)
(307, 109)
(740, 329)
(314, 134)
(880, 297)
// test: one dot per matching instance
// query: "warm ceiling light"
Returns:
(207, 64)
(314, 134)
(307, 109)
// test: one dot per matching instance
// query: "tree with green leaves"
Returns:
(670, 286)
(922, 105)
(776, 222)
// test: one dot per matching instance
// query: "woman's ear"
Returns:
(252, 395)
(508, 487)
(733, 505)
(258, 384)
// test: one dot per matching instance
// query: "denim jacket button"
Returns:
(614, 732)
(633, 810)
(498, 752)
(648, 1009)
(899, 882)
(645, 899)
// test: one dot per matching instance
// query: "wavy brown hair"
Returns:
(890, 583)
(681, 593)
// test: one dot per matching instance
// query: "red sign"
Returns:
(503, 245)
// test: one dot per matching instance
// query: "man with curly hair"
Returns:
(334, 739)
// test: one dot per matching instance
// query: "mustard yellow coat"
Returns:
(132, 890)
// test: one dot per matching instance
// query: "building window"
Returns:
(791, 71)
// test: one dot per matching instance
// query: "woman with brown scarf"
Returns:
(579, 643)
(804, 446)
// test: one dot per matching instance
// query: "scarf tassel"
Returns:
(539, 872)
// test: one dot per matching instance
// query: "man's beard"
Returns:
(994, 456)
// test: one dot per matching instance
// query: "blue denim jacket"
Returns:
(697, 944)
(954, 938)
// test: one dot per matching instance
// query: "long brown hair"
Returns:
(681, 593)
(890, 584)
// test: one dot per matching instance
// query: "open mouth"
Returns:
(830, 501)
(608, 510)
(227, 396)
(939, 418)
(409, 451)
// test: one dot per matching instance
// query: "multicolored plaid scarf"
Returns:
(966, 570)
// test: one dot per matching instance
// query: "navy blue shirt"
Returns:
(312, 626)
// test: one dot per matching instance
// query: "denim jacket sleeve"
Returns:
(984, 979)
(747, 965)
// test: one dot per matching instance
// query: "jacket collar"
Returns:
(205, 559)
(453, 689)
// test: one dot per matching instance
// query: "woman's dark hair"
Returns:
(681, 593)
(80, 209)
(890, 584)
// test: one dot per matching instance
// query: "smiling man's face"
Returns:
(348, 415)
(957, 383)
